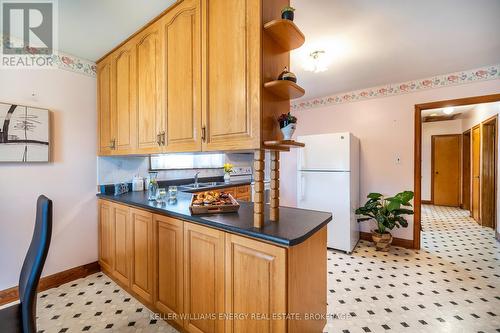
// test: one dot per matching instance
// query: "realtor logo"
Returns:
(28, 33)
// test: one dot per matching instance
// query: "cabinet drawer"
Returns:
(245, 189)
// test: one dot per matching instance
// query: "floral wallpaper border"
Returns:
(67, 62)
(452, 79)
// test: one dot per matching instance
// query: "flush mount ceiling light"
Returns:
(448, 110)
(316, 62)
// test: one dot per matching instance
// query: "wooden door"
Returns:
(104, 107)
(476, 173)
(122, 249)
(169, 291)
(488, 173)
(466, 170)
(233, 71)
(148, 73)
(106, 235)
(142, 254)
(255, 283)
(123, 110)
(203, 277)
(181, 37)
(446, 170)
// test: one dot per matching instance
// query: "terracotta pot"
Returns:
(382, 241)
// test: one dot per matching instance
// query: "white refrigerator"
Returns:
(328, 180)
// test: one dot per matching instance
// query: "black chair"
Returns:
(22, 317)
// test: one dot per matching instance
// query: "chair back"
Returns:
(33, 263)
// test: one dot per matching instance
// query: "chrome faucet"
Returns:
(196, 179)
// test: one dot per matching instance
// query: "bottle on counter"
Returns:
(152, 186)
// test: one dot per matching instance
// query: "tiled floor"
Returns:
(451, 285)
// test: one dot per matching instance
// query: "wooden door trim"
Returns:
(433, 137)
(478, 126)
(494, 121)
(417, 160)
(463, 175)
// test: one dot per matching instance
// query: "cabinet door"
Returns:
(142, 254)
(104, 106)
(148, 73)
(255, 283)
(181, 33)
(232, 34)
(243, 192)
(123, 112)
(203, 277)
(106, 235)
(122, 248)
(169, 265)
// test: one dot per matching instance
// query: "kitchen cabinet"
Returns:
(141, 278)
(233, 85)
(199, 80)
(122, 242)
(181, 38)
(183, 268)
(255, 283)
(169, 260)
(123, 108)
(203, 277)
(104, 107)
(149, 107)
(106, 235)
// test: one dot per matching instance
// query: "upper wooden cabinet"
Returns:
(232, 61)
(181, 39)
(198, 75)
(105, 143)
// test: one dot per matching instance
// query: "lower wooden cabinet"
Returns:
(169, 260)
(255, 284)
(204, 278)
(193, 274)
(106, 235)
(122, 243)
(141, 278)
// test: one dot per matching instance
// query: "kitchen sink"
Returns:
(202, 185)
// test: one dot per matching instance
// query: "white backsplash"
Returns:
(117, 169)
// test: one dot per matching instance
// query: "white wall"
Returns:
(385, 127)
(69, 180)
(428, 130)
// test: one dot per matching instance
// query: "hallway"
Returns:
(451, 285)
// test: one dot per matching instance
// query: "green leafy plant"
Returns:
(387, 212)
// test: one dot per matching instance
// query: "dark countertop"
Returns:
(295, 225)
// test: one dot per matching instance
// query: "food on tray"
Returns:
(212, 198)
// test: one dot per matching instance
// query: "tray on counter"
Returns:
(214, 209)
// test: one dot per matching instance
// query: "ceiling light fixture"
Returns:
(317, 62)
(448, 110)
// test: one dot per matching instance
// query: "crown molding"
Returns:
(452, 79)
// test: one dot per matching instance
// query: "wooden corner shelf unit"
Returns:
(285, 33)
(283, 145)
(285, 89)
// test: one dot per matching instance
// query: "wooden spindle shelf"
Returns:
(285, 89)
(285, 33)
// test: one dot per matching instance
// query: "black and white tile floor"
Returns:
(451, 285)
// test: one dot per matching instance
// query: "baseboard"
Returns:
(426, 202)
(53, 281)
(401, 242)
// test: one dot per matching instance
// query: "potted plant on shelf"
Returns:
(228, 168)
(287, 13)
(288, 124)
(388, 213)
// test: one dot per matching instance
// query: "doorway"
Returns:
(445, 174)
(467, 136)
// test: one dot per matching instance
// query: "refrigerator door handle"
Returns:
(302, 187)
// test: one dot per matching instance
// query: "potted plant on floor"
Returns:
(388, 213)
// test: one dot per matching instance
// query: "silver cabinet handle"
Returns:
(204, 133)
(158, 139)
(112, 144)
(163, 138)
